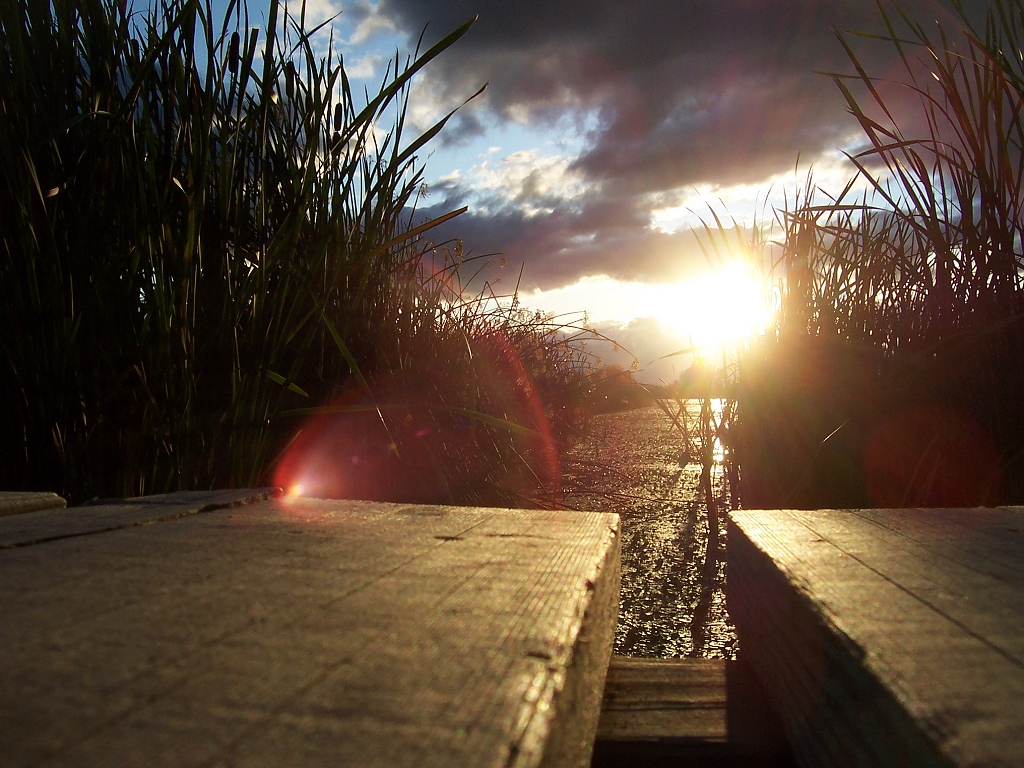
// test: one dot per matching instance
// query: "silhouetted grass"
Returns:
(206, 234)
(897, 374)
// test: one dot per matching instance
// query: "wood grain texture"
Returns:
(20, 502)
(887, 637)
(52, 524)
(309, 633)
(687, 712)
(647, 699)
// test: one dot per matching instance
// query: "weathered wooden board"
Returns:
(682, 712)
(19, 502)
(886, 637)
(309, 633)
(59, 523)
(664, 698)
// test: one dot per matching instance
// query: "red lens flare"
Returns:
(418, 449)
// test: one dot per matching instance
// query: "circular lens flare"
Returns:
(380, 451)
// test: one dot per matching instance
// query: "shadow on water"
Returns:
(673, 600)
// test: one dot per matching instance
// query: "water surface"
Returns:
(631, 464)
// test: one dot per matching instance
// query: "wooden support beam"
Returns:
(686, 712)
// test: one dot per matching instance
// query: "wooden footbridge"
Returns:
(242, 628)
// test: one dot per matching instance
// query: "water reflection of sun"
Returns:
(726, 305)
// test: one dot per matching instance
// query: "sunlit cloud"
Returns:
(643, 345)
(428, 103)
(680, 305)
(529, 179)
(364, 67)
(592, 162)
(718, 307)
(317, 13)
(371, 23)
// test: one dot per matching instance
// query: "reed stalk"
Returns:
(206, 231)
(908, 297)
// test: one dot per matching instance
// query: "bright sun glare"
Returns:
(708, 311)
(726, 305)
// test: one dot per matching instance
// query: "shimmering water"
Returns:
(631, 464)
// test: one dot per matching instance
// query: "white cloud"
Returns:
(431, 99)
(519, 113)
(364, 67)
(749, 204)
(529, 180)
(372, 24)
(427, 103)
(317, 11)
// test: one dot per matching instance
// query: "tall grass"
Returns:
(205, 233)
(901, 340)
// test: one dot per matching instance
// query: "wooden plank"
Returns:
(311, 633)
(59, 523)
(940, 565)
(984, 540)
(20, 502)
(680, 712)
(649, 699)
(887, 637)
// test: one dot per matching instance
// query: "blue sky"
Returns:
(609, 130)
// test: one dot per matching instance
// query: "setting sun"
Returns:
(652, 320)
(727, 305)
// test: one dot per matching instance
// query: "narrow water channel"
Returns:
(633, 463)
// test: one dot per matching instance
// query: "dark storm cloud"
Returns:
(684, 92)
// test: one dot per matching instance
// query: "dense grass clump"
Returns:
(897, 374)
(206, 241)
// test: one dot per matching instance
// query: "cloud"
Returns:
(560, 239)
(533, 182)
(317, 11)
(642, 344)
(365, 66)
(688, 91)
(369, 22)
(674, 94)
